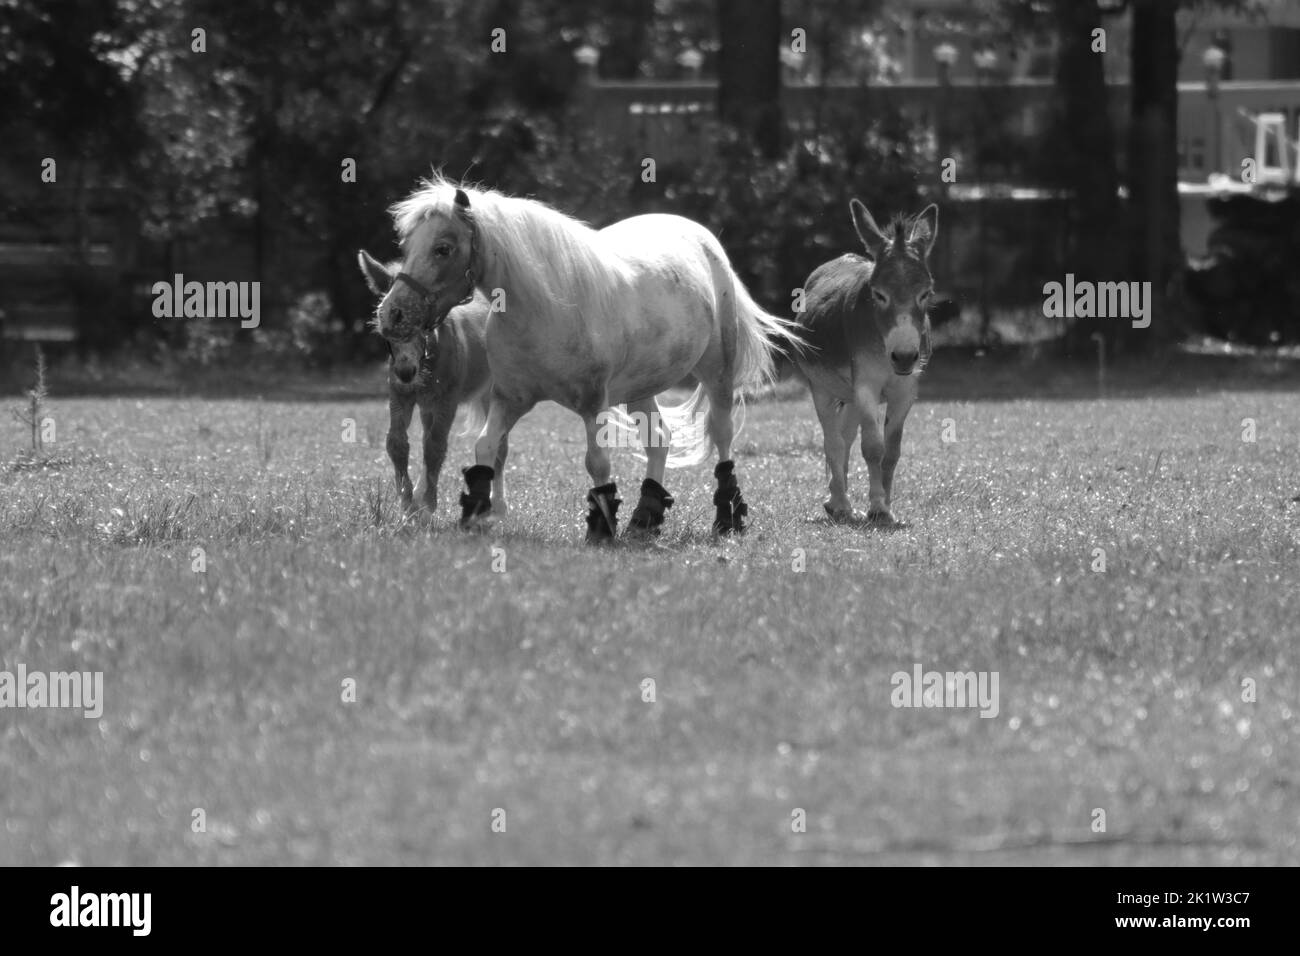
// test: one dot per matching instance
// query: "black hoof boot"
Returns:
(649, 514)
(477, 501)
(602, 516)
(732, 509)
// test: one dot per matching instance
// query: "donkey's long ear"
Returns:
(378, 278)
(925, 227)
(868, 231)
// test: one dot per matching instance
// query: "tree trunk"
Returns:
(629, 24)
(1085, 145)
(1155, 247)
(749, 70)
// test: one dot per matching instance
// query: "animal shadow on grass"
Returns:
(860, 521)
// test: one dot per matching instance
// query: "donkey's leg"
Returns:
(731, 507)
(602, 500)
(836, 447)
(400, 407)
(476, 502)
(436, 414)
(873, 453)
(900, 401)
(648, 517)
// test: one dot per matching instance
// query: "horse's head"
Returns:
(409, 341)
(901, 284)
(439, 260)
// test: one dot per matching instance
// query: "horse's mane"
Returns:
(544, 259)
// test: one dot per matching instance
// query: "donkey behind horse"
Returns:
(592, 319)
(438, 365)
(868, 331)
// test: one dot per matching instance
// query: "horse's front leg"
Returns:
(900, 401)
(400, 407)
(489, 450)
(602, 500)
(436, 414)
(873, 453)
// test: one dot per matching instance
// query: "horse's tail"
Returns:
(687, 428)
(760, 338)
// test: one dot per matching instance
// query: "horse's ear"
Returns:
(462, 200)
(925, 227)
(378, 278)
(868, 231)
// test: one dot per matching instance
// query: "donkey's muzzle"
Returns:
(404, 373)
(904, 361)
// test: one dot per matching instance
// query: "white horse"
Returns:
(592, 319)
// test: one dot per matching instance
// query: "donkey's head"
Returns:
(901, 284)
(408, 341)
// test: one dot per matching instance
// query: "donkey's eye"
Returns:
(880, 297)
(924, 297)
(442, 250)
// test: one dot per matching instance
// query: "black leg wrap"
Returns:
(649, 513)
(478, 499)
(602, 516)
(732, 509)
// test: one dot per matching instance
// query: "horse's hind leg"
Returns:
(436, 416)
(731, 507)
(499, 506)
(648, 517)
(400, 407)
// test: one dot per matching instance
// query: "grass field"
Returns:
(521, 690)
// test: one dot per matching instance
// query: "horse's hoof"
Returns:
(483, 521)
(648, 517)
(731, 507)
(602, 513)
(640, 533)
(477, 500)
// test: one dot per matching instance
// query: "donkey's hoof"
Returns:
(844, 515)
(881, 517)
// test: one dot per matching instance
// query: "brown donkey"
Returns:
(866, 326)
(438, 366)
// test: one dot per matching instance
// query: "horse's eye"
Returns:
(442, 250)
(924, 297)
(880, 297)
